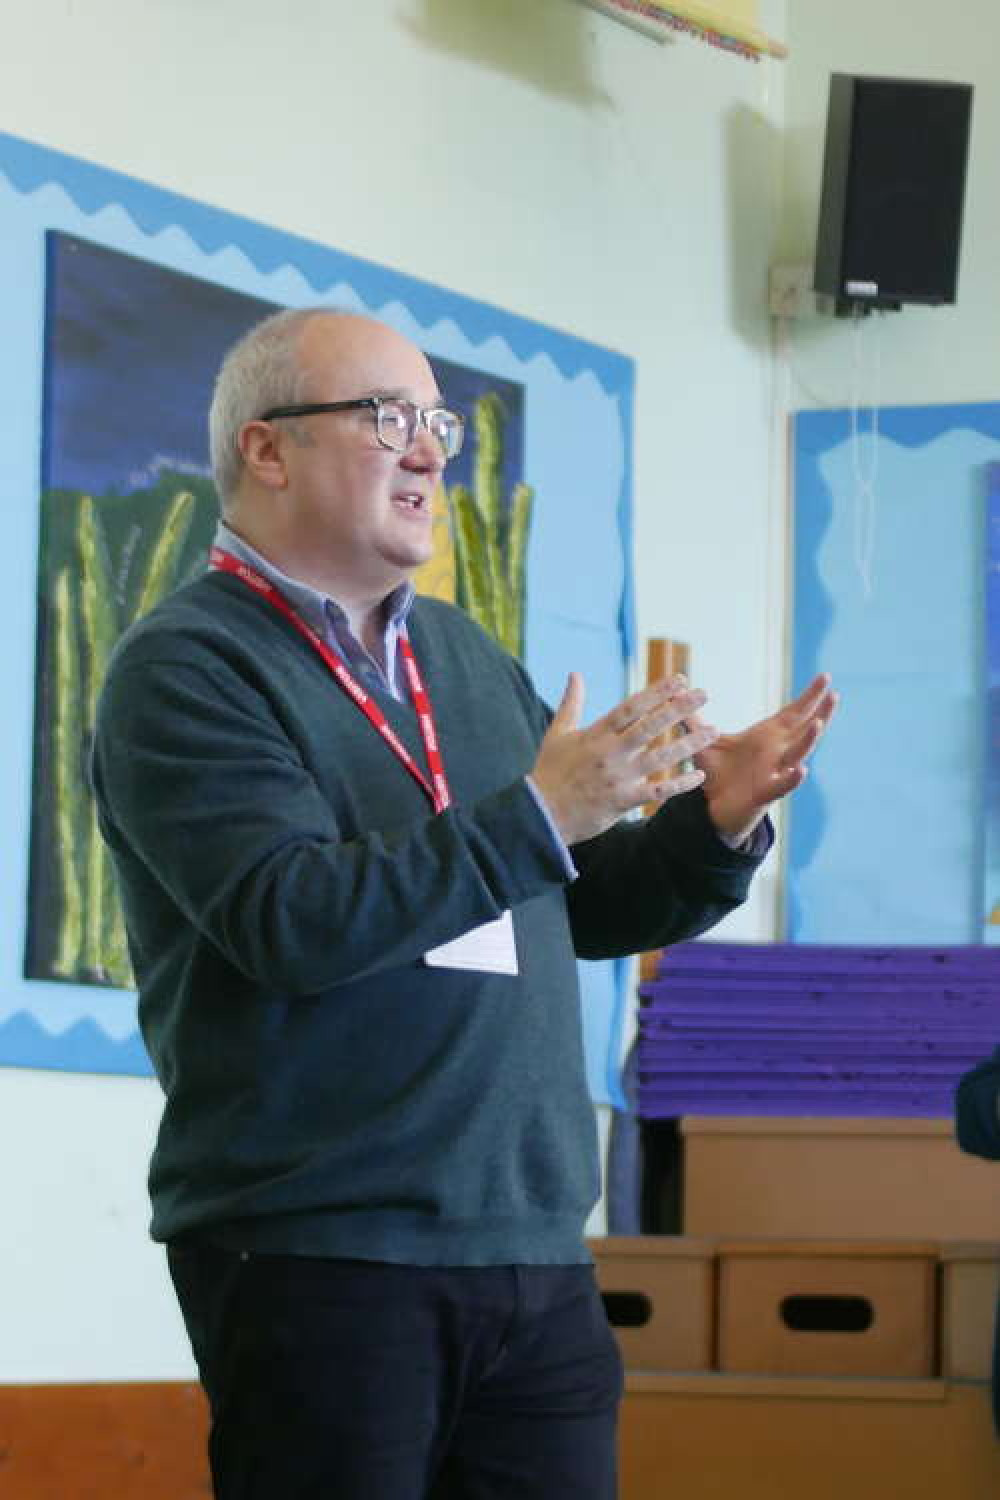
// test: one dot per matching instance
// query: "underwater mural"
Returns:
(119, 300)
(128, 510)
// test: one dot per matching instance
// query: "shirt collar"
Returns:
(314, 606)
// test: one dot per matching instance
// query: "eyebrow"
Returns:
(398, 394)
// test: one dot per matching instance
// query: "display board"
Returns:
(120, 300)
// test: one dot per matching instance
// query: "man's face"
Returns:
(361, 509)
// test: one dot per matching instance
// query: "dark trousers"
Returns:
(355, 1380)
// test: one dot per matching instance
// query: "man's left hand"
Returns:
(746, 772)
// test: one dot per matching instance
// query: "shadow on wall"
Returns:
(547, 45)
(802, 164)
(752, 153)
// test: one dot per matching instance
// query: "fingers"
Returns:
(567, 716)
(803, 744)
(652, 710)
(640, 739)
(588, 778)
(678, 710)
(783, 782)
(827, 707)
(813, 691)
(641, 728)
(634, 709)
(822, 709)
(816, 699)
(808, 736)
(670, 753)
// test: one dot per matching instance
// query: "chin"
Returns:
(411, 558)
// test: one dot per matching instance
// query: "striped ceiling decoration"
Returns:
(732, 25)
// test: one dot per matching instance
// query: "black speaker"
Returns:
(890, 221)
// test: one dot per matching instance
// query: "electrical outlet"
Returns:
(790, 291)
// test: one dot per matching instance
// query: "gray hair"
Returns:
(260, 371)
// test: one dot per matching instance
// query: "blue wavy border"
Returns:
(92, 188)
(83, 1047)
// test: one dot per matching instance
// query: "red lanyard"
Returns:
(437, 787)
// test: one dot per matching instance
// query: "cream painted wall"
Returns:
(526, 152)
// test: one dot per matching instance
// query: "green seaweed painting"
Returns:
(488, 534)
(491, 537)
(105, 562)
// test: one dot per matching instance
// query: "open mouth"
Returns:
(411, 502)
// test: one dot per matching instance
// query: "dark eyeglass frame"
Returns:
(422, 416)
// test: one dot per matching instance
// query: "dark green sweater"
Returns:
(326, 1091)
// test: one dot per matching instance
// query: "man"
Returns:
(357, 855)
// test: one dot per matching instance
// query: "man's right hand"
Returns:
(590, 777)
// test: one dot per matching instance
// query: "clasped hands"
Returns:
(629, 759)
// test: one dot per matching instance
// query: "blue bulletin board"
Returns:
(119, 301)
(894, 835)
(991, 799)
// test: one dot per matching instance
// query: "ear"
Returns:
(262, 447)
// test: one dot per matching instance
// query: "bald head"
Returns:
(346, 356)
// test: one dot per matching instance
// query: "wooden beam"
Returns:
(664, 657)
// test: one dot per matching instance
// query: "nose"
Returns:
(425, 452)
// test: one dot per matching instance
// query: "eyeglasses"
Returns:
(397, 421)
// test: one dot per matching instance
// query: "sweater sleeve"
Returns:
(977, 1109)
(196, 779)
(645, 884)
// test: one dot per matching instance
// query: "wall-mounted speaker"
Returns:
(890, 222)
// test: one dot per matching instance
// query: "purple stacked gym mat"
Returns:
(801, 1029)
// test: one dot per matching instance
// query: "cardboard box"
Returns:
(754, 1437)
(659, 1293)
(835, 1179)
(970, 1291)
(861, 1308)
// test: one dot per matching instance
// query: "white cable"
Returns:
(865, 494)
(824, 403)
(779, 568)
